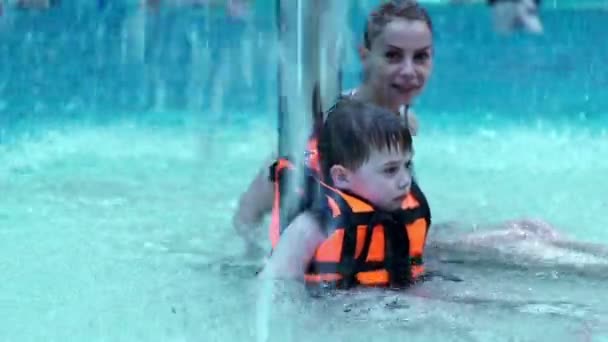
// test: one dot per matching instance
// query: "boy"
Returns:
(370, 223)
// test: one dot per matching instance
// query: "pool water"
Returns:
(119, 174)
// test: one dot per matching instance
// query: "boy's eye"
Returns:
(391, 170)
(409, 165)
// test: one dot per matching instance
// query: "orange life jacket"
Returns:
(279, 172)
(369, 247)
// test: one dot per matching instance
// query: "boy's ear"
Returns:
(340, 177)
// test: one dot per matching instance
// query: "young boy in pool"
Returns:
(370, 222)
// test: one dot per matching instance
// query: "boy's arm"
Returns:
(295, 249)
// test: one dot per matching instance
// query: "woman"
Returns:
(397, 59)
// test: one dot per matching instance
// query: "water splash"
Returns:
(310, 45)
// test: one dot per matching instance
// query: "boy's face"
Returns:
(384, 179)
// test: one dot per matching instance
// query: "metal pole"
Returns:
(310, 55)
(309, 76)
(297, 73)
(298, 39)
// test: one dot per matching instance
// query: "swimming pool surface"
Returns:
(120, 169)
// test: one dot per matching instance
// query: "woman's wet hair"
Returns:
(353, 129)
(389, 11)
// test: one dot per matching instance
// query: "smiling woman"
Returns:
(396, 55)
(397, 58)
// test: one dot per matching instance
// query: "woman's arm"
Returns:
(253, 205)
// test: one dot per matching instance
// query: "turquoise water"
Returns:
(119, 173)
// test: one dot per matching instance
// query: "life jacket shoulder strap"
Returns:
(277, 167)
(282, 165)
(302, 197)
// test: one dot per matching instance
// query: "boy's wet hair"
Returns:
(353, 129)
(389, 11)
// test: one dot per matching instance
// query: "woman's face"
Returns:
(399, 62)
